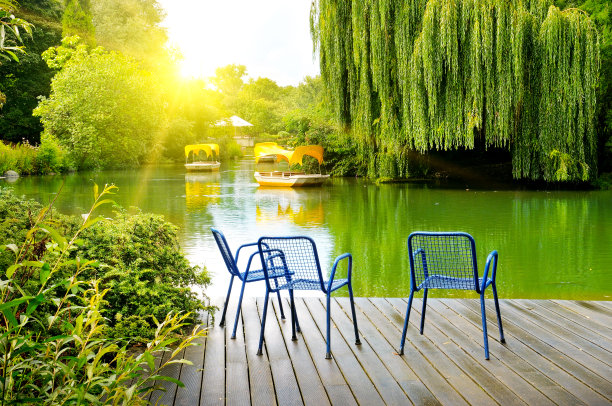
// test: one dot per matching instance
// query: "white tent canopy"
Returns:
(233, 121)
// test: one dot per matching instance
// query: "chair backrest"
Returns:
(295, 256)
(448, 257)
(228, 258)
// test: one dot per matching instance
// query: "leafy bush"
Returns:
(50, 157)
(54, 346)
(20, 158)
(144, 270)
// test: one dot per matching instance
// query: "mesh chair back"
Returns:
(442, 261)
(225, 252)
(296, 258)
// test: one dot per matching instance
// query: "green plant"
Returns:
(53, 348)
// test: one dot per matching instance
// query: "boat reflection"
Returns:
(285, 204)
(202, 189)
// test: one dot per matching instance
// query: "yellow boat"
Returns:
(201, 165)
(266, 150)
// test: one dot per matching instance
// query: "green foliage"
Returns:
(103, 109)
(131, 27)
(147, 274)
(436, 75)
(19, 158)
(77, 20)
(10, 36)
(23, 82)
(54, 346)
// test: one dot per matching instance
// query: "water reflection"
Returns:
(202, 189)
(281, 205)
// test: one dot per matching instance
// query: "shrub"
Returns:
(53, 333)
(50, 157)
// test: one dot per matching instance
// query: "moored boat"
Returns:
(202, 165)
(268, 150)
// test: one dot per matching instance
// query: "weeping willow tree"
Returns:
(418, 75)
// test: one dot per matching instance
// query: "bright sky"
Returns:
(270, 37)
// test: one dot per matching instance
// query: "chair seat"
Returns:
(255, 275)
(312, 284)
(448, 282)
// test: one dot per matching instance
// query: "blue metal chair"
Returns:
(302, 271)
(231, 262)
(448, 261)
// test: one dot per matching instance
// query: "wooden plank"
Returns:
(536, 353)
(383, 380)
(468, 359)
(191, 375)
(458, 330)
(513, 353)
(213, 375)
(260, 374)
(412, 386)
(335, 385)
(471, 391)
(361, 385)
(425, 371)
(566, 330)
(309, 381)
(285, 381)
(546, 309)
(606, 303)
(596, 318)
(564, 313)
(582, 365)
(237, 389)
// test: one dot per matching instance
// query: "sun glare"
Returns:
(271, 38)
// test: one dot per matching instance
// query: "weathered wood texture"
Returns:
(556, 352)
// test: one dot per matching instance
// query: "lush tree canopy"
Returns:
(435, 75)
(103, 109)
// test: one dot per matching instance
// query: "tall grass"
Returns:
(26, 159)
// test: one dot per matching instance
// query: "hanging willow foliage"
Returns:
(417, 75)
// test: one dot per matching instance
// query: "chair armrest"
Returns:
(248, 268)
(491, 258)
(333, 272)
(241, 247)
(279, 254)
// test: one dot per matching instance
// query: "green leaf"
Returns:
(11, 270)
(10, 317)
(34, 303)
(15, 302)
(150, 360)
(55, 235)
(91, 221)
(44, 273)
(95, 190)
(168, 379)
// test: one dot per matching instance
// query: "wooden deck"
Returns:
(556, 352)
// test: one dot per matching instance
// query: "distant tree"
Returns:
(77, 20)
(132, 27)
(103, 109)
(229, 79)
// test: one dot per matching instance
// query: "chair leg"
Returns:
(328, 331)
(229, 290)
(350, 289)
(499, 320)
(238, 309)
(293, 316)
(280, 302)
(484, 325)
(423, 310)
(401, 351)
(263, 323)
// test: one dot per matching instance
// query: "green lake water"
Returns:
(551, 244)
